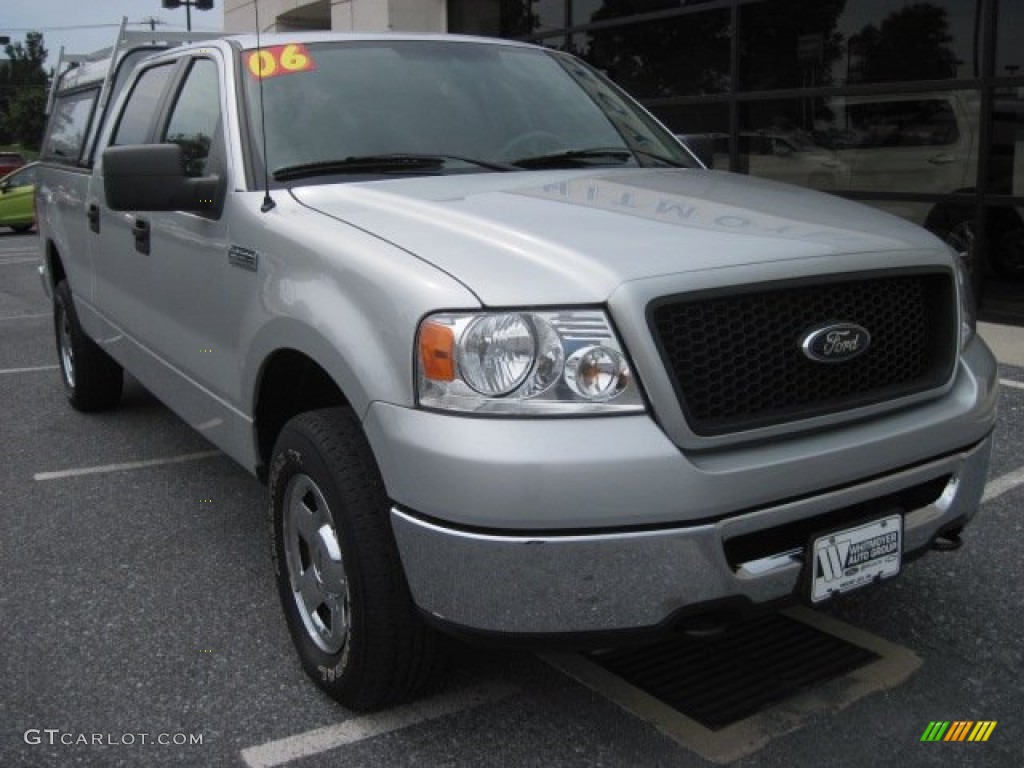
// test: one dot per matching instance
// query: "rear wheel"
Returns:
(92, 380)
(19, 228)
(339, 576)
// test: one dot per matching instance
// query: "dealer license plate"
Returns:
(855, 557)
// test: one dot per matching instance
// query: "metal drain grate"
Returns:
(721, 680)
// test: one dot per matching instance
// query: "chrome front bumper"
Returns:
(535, 584)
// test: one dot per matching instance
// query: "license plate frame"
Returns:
(848, 559)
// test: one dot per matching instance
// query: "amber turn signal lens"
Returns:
(437, 352)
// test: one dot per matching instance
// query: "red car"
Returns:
(10, 161)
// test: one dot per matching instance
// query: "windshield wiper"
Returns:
(575, 157)
(394, 163)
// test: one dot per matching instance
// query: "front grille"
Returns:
(736, 361)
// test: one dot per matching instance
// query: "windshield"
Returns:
(379, 108)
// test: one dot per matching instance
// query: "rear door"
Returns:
(63, 177)
(121, 265)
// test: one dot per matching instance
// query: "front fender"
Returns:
(346, 299)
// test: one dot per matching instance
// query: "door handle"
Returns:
(941, 159)
(93, 214)
(140, 228)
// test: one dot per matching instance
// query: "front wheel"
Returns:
(339, 576)
(92, 379)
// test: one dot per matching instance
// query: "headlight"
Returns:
(968, 319)
(524, 363)
(496, 354)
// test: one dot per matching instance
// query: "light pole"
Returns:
(201, 5)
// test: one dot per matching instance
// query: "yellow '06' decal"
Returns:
(279, 60)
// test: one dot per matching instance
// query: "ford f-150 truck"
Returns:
(510, 361)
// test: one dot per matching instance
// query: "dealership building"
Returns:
(916, 106)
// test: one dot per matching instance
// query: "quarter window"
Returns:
(68, 126)
(21, 178)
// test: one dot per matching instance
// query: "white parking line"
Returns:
(313, 742)
(26, 317)
(1014, 384)
(126, 465)
(30, 370)
(5, 262)
(1003, 484)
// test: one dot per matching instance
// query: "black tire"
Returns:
(92, 379)
(19, 228)
(357, 631)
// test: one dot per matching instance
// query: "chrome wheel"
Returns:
(316, 570)
(357, 631)
(67, 354)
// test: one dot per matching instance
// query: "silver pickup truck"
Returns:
(512, 364)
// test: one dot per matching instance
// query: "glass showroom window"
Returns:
(500, 18)
(679, 56)
(703, 128)
(587, 11)
(1006, 173)
(1009, 54)
(796, 44)
(901, 143)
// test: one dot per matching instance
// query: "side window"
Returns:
(139, 110)
(195, 116)
(68, 126)
(22, 178)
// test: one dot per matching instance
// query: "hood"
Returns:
(573, 237)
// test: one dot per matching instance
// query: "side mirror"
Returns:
(151, 177)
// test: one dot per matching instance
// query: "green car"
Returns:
(16, 190)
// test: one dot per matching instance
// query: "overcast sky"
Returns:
(83, 26)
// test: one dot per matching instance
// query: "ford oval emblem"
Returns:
(835, 343)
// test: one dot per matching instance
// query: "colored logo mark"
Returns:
(959, 730)
(279, 60)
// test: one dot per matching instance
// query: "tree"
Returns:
(26, 116)
(685, 55)
(23, 82)
(790, 44)
(912, 43)
(517, 18)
